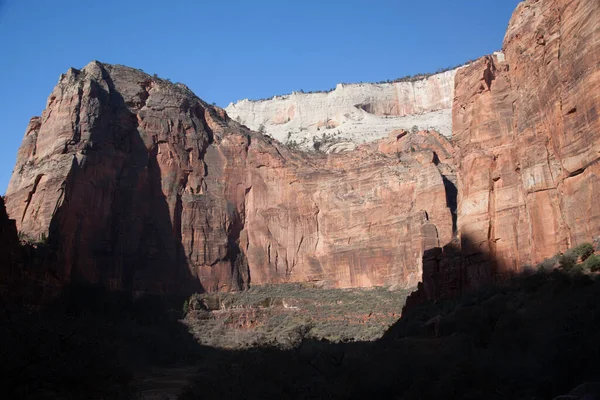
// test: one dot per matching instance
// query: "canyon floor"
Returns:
(286, 314)
(533, 336)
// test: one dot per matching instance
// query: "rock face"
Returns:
(450, 271)
(351, 113)
(361, 218)
(139, 185)
(526, 142)
(526, 135)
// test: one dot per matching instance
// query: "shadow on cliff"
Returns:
(101, 298)
(531, 335)
(115, 226)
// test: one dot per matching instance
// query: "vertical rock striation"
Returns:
(526, 131)
(141, 186)
(526, 135)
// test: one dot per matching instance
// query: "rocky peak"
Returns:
(142, 186)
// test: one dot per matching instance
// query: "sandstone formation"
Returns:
(526, 136)
(449, 272)
(352, 113)
(139, 185)
(361, 218)
(526, 142)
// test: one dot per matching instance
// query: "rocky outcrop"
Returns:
(527, 148)
(141, 186)
(526, 131)
(450, 271)
(351, 113)
(361, 218)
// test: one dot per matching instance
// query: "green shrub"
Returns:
(548, 263)
(592, 263)
(186, 306)
(584, 251)
(292, 144)
(283, 315)
(568, 259)
(576, 269)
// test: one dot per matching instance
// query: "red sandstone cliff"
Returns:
(526, 130)
(526, 133)
(142, 186)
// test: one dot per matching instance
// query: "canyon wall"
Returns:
(352, 113)
(526, 136)
(526, 132)
(139, 185)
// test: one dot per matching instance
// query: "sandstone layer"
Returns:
(141, 186)
(526, 133)
(351, 113)
(526, 139)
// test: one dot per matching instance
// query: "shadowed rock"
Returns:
(143, 187)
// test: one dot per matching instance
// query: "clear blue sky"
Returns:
(225, 51)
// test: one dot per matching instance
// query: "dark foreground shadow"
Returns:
(528, 336)
(531, 337)
(90, 343)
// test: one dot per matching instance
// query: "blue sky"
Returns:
(226, 51)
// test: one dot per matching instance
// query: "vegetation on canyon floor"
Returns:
(578, 259)
(533, 336)
(284, 315)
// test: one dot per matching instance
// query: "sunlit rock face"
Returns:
(352, 114)
(526, 145)
(360, 218)
(141, 186)
(526, 132)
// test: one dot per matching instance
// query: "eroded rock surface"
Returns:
(360, 218)
(526, 132)
(351, 114)
(527, 147)
(141, 186)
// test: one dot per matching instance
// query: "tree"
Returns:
(584, 251)
(568, 259)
